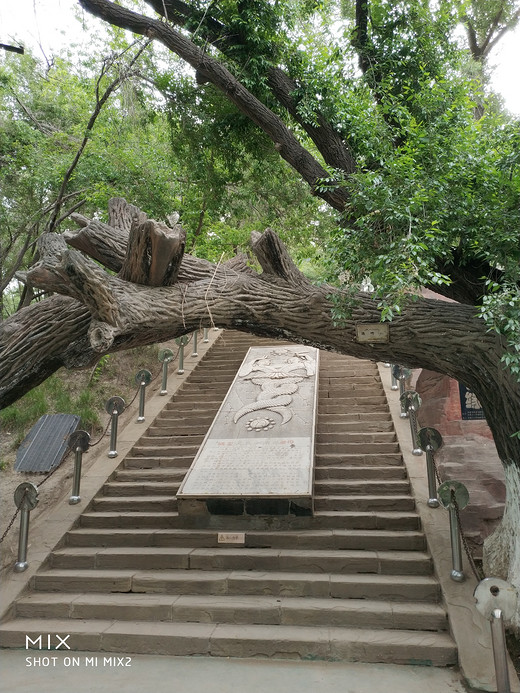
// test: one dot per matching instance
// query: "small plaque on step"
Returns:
(231, 538)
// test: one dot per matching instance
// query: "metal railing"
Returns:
(26, 495)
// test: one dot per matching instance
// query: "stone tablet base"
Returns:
(244, 507)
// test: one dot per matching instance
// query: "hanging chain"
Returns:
(91, 445)
(12, 522)
(53, 470)
(437, 475)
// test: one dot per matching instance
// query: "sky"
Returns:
(51, 23)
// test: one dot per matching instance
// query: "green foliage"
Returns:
(230, 179)
(51, 397)
(44, 111)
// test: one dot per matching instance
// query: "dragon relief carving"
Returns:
(278, 374)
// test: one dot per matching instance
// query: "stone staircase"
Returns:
(354, 582)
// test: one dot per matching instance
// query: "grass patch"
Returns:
(83, 393)
(54, 396)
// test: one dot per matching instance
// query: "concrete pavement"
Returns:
(88, 672)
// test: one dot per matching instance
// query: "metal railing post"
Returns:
(79, 442)
(205, 338)
(453, 494)
(457, 572)
(498, 638)
(195, 340)
(26, 499)
(433, 501)
(430, 441)
(401, 374)
(114, 407)
(411, 402)
(165, 357)
(181, 341)
(142, 378)
(496, 599)
(395, 381)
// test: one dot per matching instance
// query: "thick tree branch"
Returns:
(154, 253)
(275, 260)
(284, 140)
(121, 214)
(328, 141)
(102, 313)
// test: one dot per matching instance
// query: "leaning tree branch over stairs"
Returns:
(160, 293)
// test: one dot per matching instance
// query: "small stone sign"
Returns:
(373, 333)
(261, 443)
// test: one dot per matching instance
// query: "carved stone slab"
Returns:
(261, 443)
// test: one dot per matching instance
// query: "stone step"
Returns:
(146, 474)
(345, 408)
(135, 504)
(375, 519)
(115, 519)
(230, 640)
(140, 488)
(398, 588)
(169, 428)
(323, 519)
(354, 399)
(329, 392)
(353, 416)
(194, 397)
(183, 409)
(167, 451)
(216, 365)
(357, 459)
(335, 472)
(357, 380)
(340, 426)
(323, 448)
(204, 392)
(159, 461)
(206, 538)
(178, 417)
(340, 375)
(257, 609)
(163, 440)
(350, 487)
(210, 377)
(244, 558)
(347, 437)
(364, 502)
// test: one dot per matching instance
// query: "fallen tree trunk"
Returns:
(97, 313)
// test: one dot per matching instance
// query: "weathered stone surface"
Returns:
(473, 460)
(441, 406)
(261, 443)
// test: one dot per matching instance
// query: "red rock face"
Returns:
(441, 407)
(468, 455)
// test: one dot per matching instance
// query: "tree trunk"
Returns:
(502, 548)
(99, 313)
